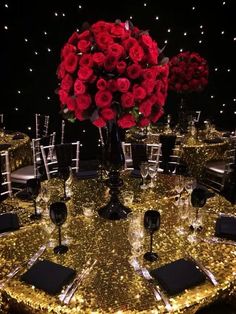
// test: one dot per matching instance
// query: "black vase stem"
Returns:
(151, 241)
(59, 235)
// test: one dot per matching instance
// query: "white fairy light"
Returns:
(48, 97)
(145, 4)
(49, 50)
(223, 105)
(19, 92)
(130, 17)
(212, 96)
(228, 70)
(56, 14)
(234, 99)
(201, 26)
(222, 32)
(80, 6)
(200, 41)
(157, 18)
(63, 14)
(26, 40)
(216, 69)
(185, 33)
(202, 33)
(45, 33)
(36, 53)
(181, 50)
(29, 128)
(193, 8)
(6, 5)
(30, 69)
(223, 3)
(6, 27)
(221, 111)
(166, 41)
(16, 108)
(168, 30)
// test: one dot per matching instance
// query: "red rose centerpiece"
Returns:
(110, 75)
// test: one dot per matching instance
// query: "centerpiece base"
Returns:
(114, 210)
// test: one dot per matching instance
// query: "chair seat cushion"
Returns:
(23, 174)
(216, 166)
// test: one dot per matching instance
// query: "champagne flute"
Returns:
(58, 215)
(144, 174)
(64, 173)
(152, 220)
(33, 188)
(152, 170)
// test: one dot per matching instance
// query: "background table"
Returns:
(113, 286)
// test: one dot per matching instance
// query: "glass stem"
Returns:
(151, 238)
(59, 235)
(35, 207)
(64, 187)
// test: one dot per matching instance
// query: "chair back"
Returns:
(128, 156)
(41, 125)
(62, 131)
(61, 155)
(5, 176)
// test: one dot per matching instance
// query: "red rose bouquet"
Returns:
(188, 72)
(110, 71)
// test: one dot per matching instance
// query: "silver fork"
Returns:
(206, 271)
(85, 272)
(27, 263)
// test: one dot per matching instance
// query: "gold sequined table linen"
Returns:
(19, 151)
(113, 286)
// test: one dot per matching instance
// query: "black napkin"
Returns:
(18, 136)
(87, 174)
(135, 173)
(48, 276)
(24, 195)
(4, 146)
(226, 227)
(178, 276)
(9, 222)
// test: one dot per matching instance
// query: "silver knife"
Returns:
(206, 271)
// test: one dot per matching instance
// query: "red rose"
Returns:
(112, 85)
(139, 92)
(121, 66)
(99, 58)
(99, 122)
(136, 53)
(144, 122)
(116, 50)
(67, 82)
(117, 30)
(134, 71)
(123, 84)
(148, 85)
(146, 40)
(149, 74)
(63, 95)
(73, 39)
(71, 62)
(71, 103)
(85, 73)
(101, 84)
(61, 71)
(86, 60)
(84, 35)
(100, 27)
(146, 108)
(84, 45)
(79, 114)
(153, 54)
(83, 101)
(160, 99)
(79, 87)
(110, 63)
(107, 114)
(103, 98)
(68, 48)
(127, 100)
(126, 121)
(128, 43)
(104, 40)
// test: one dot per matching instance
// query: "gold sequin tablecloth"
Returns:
(196, 155)
(113, 286)
(19, 151)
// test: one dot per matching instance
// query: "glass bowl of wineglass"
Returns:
(152, 220)
(58, 215)
(33, 189)
(144, 174)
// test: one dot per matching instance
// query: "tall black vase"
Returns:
(114, 161)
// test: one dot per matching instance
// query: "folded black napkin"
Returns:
(18, 136)
(178, 276)
(48, 276)
(4, 146)
(226, 227)
(87, 174)
(135, 173)
(24, 195)
(9, 222)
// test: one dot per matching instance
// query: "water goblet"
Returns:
(58, 215)
(128, 197)
(33, 188)
(152, 171)
(152, 219)
(144, 174)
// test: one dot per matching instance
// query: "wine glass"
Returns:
(152, 171)
(33, 188)
(179, 185)
(64, 173)
(152, 220)
(144, 174)
(58, 215)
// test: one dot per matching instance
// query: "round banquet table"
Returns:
(196, 155)
(112, 286)
(18, 146)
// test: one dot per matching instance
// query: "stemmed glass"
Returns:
(64, 173)
(152, 170)
(33, 188)
(144, 174)
(190, 184)
(152, 220)
(179, 185)
(58, 215)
